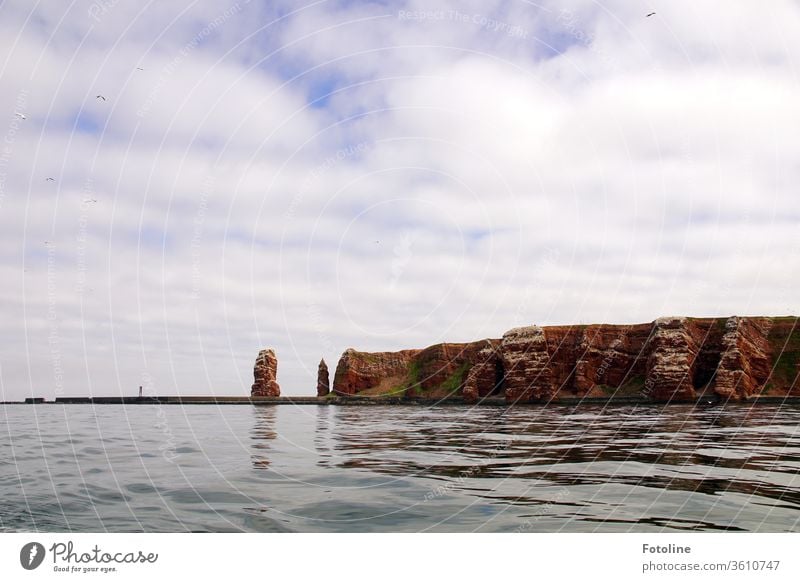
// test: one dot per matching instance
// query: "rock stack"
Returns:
(323, 379)
(266, 373)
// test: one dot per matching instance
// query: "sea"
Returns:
(448, 468)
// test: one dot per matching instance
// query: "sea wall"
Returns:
(672, 359)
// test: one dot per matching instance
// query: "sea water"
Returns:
(287, 468)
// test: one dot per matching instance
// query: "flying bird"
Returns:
(90, 200)
(20, 115)
(100, 97)
(50, 180)
(651, 14)
(139, 69)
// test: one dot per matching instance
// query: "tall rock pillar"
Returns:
(266, 373)
(323, 379)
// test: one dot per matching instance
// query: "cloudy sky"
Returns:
(381, 175)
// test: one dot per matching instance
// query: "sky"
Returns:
(183, 184)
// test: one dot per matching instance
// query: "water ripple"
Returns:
(381, 468)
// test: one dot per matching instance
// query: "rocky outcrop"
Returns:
(610, 360)
(372, 373)
(683, 356)
(672, 359)
(323, 379)
(744, 366)
(564, 345)
(525, 358)
(441, 370)
(266, 373)
(672, 351)
(784, 346)
(486, 377)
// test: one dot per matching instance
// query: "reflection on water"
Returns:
(383, 468)
(263, 432)
(679, 465)
(322, 435)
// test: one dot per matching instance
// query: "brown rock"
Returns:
(441, 370)
(744, 366)
(372, 373)
(783, 334)
(564, 353)
(610, 360)
(525, 363)
(438, 371)
(671, 355)
(323, 379)
(671, 359)
(486, 377)
(683, 354)
(265, 373)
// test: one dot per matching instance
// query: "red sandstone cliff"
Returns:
(372, 374)
(671, 359)
(526, 365)
(486, 377)
(745, 365)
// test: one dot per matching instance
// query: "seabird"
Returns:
(139, 69)
(90, 200)
(18, 114)
(651, 14)
(100, 97)
(49, 179)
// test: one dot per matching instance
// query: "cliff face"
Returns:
(441, 370)
(673, 349)
(526, 364)
(372, 374)
(608, 359)
(745, 363)
(265, 373)
(486, 377)
(671, 359)
(783, 338)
